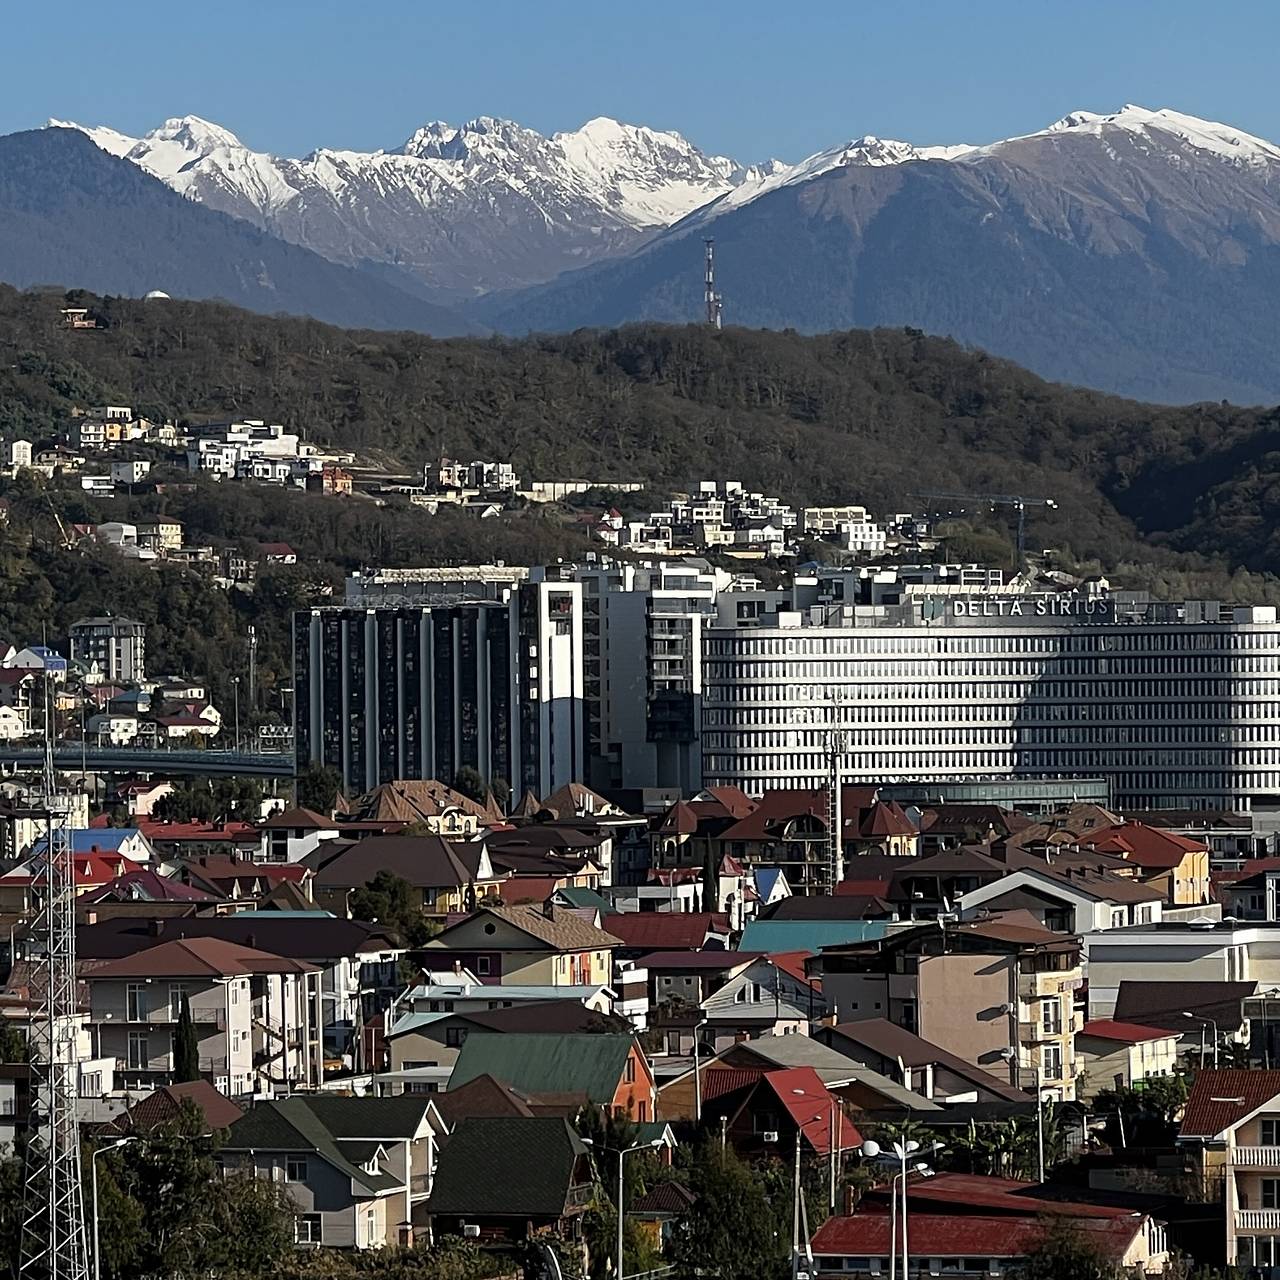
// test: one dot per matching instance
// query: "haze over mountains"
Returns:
(1137, 252)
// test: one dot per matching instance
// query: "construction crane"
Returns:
(1017, 501)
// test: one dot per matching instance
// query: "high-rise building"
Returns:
(425, 690)
(118, 646)
(1177, 706)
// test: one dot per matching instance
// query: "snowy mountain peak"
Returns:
(112, 141)
(1182, 130)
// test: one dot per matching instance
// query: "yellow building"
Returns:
(530, 946)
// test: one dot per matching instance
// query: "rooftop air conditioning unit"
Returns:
(771, 1135)
(470, 1230)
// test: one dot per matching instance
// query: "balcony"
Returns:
(1258, 1219)
(1255, 1158)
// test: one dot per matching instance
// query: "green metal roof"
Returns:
(590, 1063)
(581, 896)
(807, 935)
(289, 1124)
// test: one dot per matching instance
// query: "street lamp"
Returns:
(93, 1179)
(901, 1151)
(1202, 1019)
(621, 1153)
(1011, 1055)
(697, 1076)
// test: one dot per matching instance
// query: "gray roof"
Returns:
(832, 1066)
(507, 1166)
(289, 1124)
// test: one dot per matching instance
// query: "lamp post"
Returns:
(1202, 1019)
(93, 1180)
(622, 1153)
(235, 684)
(900, 1151)
(697, 1074)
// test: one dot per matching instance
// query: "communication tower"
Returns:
(713, 300)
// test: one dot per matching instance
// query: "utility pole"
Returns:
(837, 745)
(54, 1243)
(253, 670)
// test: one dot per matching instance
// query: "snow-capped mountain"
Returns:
(487, 205)
(1136, 251)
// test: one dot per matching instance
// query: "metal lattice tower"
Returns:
(837, 744)
(54, 1244)
(710, 296)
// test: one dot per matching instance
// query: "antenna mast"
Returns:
(710, 296)
(54, 1245)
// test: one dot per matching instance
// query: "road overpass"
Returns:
(210, 764)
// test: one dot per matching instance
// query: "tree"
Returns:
(733, 1230)
(469, 783)
(318, 787)
(1063, 1253)
(13, 1043)
(388, 899)
(710, 885)
(186, 1049)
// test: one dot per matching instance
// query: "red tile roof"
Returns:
(1001, 1195)
(862, 888)
(1124, 1032)
(166, 1103)
(867, 1234)
(717, 1081)
(203, 832)
(1144, 846)
(792, 802)
(710, 960)
(885, 818)
(665, 930)
(1219, 1100)
(792, 963)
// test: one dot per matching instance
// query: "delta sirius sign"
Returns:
(1068, 609)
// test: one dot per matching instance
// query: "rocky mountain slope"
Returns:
(71, 214)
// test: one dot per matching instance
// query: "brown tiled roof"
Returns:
(413, 800)
(198, 958)
(299, 818)
(166, 1103)
(483, 1096)
(885, 818)
(1221, 1099)
(665, 930)
(1165, 1003)
(556, 926)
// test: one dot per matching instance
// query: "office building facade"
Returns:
(424, 690)
(1174, 707)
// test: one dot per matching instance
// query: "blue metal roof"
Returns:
(103, 839)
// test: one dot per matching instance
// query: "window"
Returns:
(909, 1015)
(764, 1122)
(307, 1228)
(136, 1002)
(1271, 1133)
(454, 1036)
(482, 966)
(1271, 1193)
(295, 1169)
(1051, 1061)
(91, 1085)
(1051, 1016)
(629, 1071)
(176, 991)
(139, 1055)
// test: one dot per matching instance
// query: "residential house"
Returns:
(603, 1069)
(290, 835)
(1230, 1132)
(1069, 898)
(251, 1012)
(1000, 993)
(967, 1225)
(925, 1068)
(359, 963)
(424, 1047)
(772, 1112)
(169, 1102)
(641, 932)
(511, 1178)
(543, 946)
(444, 876)
(1122, 1055)
(358, 1170)
(17, 696)
(683, 1092)
(1175, 864)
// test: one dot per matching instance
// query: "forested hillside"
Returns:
(874, 416)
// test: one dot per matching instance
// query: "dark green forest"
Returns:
(1181, 500)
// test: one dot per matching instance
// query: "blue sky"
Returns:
(749, 79)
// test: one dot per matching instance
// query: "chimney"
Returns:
(251, 941)
(155, 928)
(457, 967)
